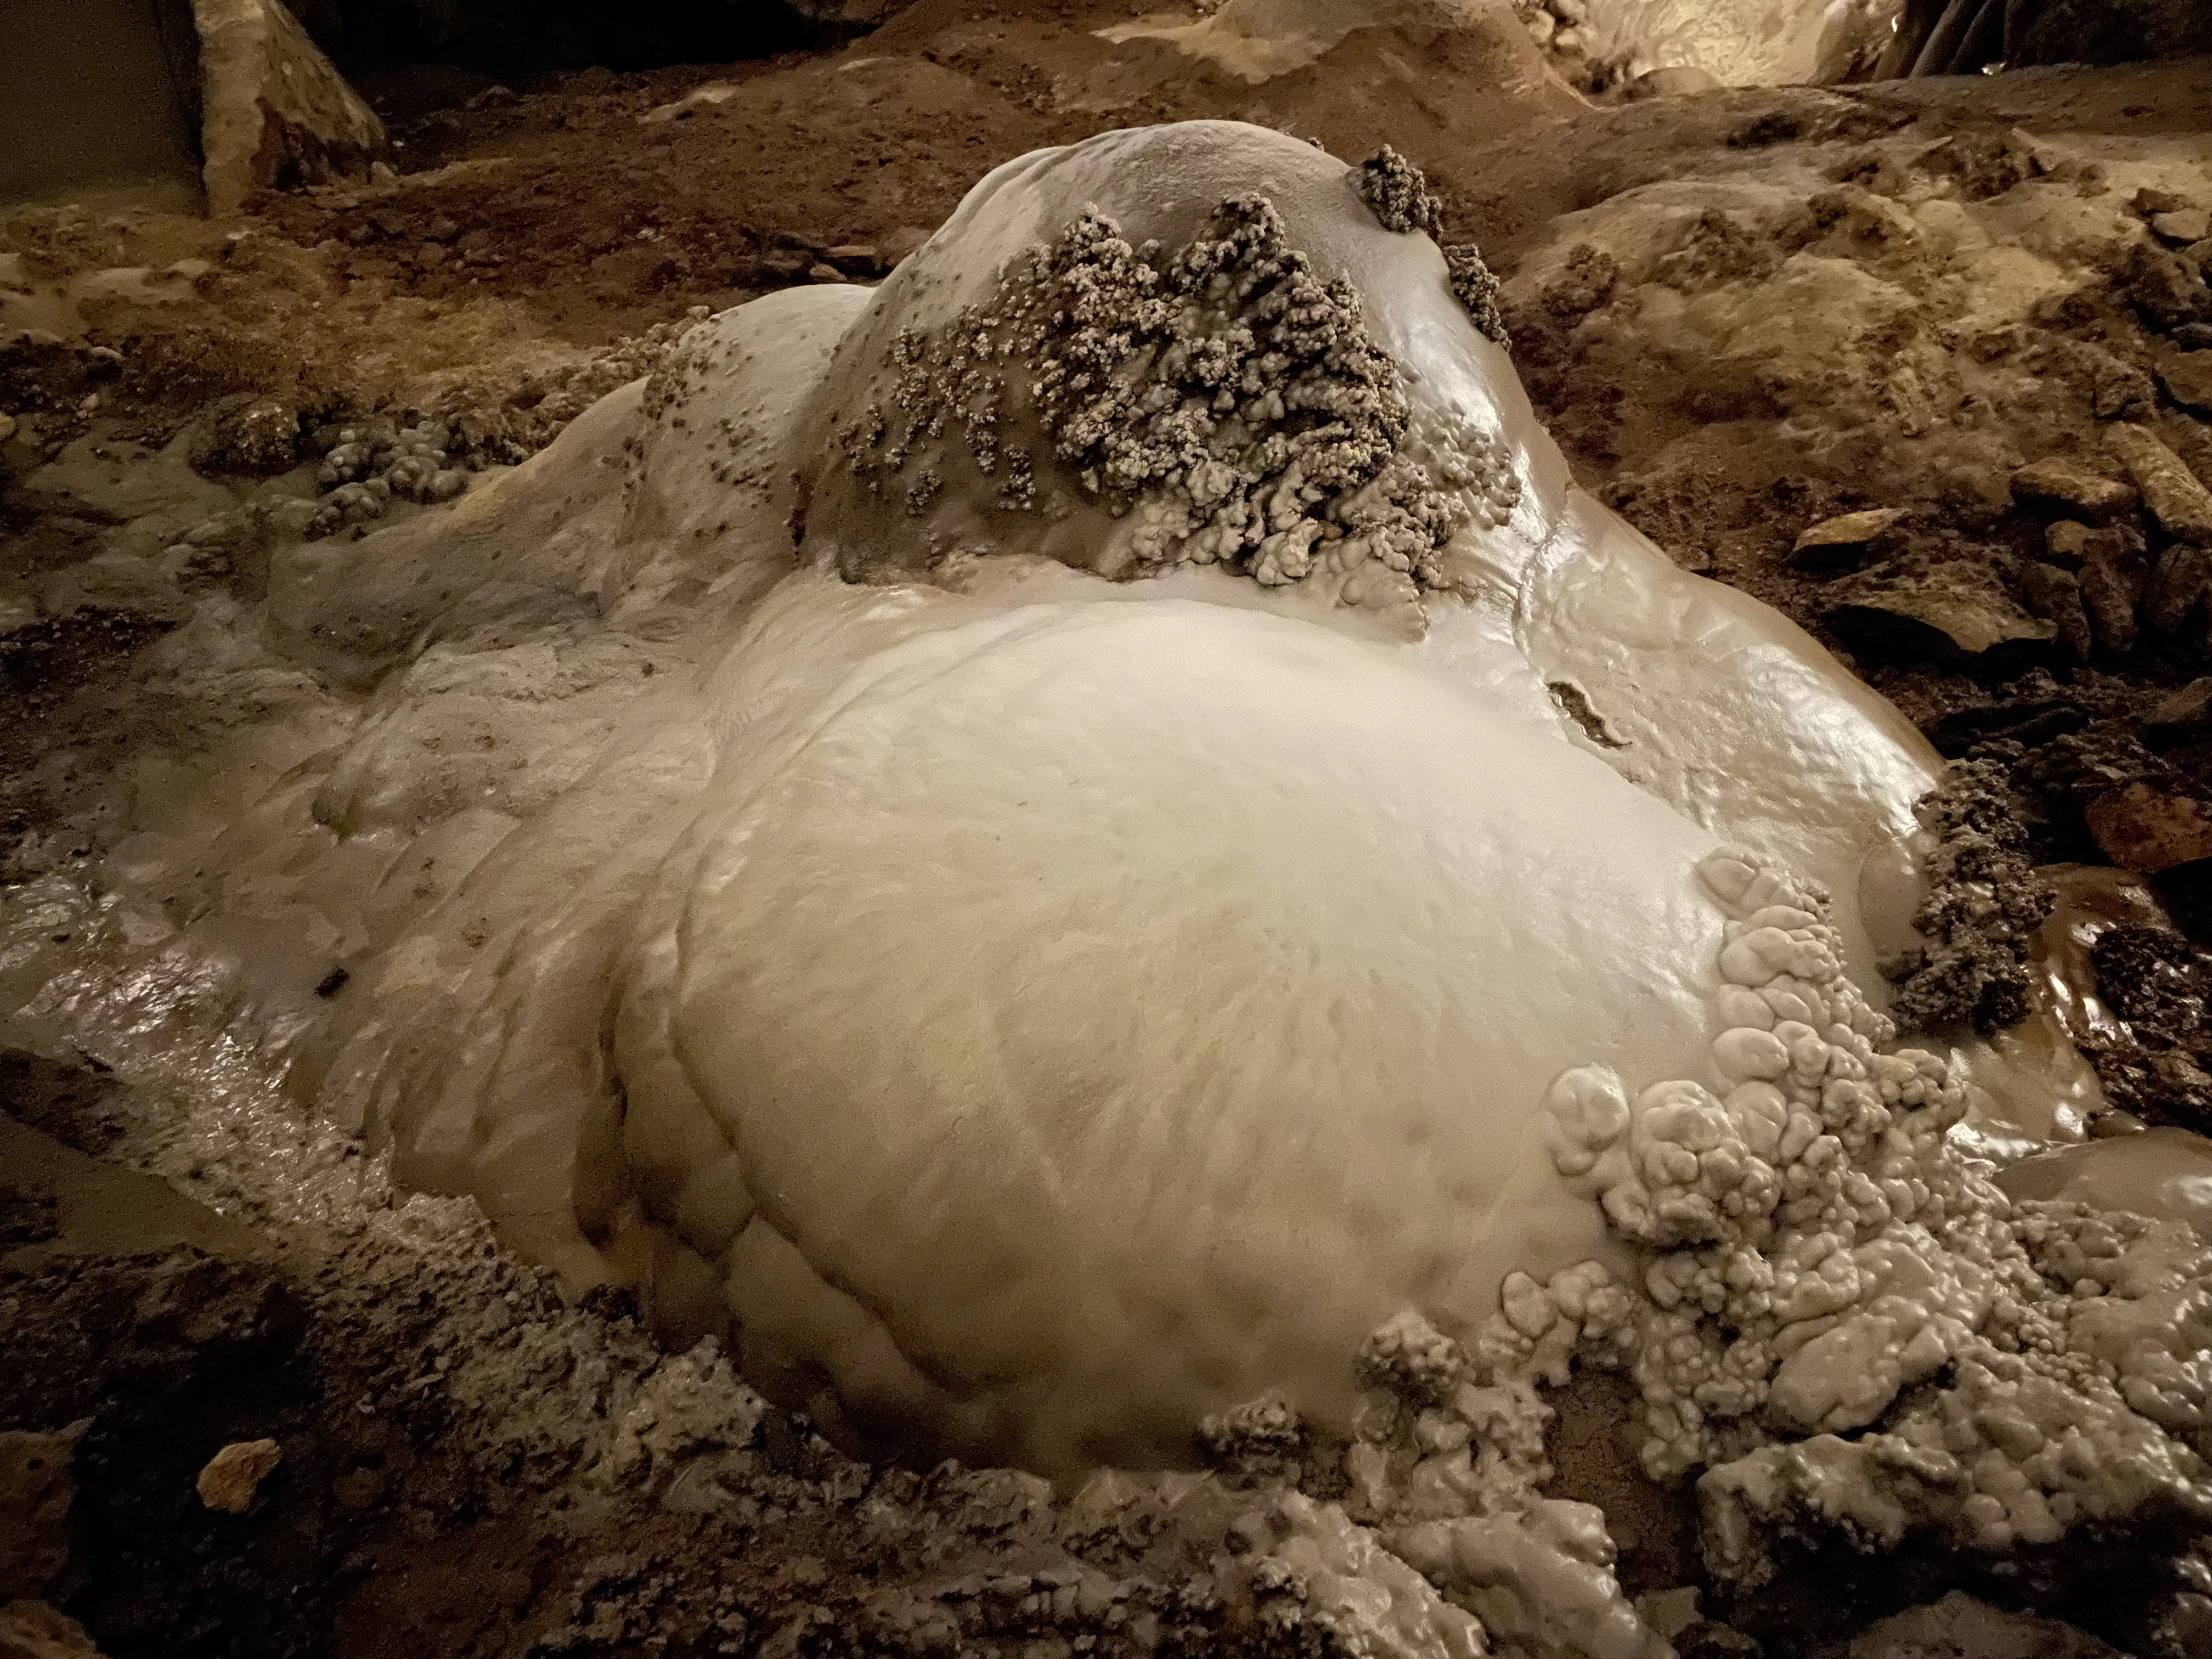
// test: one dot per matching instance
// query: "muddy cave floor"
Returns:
(471, 1466)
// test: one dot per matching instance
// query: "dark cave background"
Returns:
(514, 40)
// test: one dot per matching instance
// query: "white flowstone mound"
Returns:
(1136, 1005)
(1030, 1011)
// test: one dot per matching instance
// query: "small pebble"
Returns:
(233, 1475)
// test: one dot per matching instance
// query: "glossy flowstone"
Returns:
(1040, 968)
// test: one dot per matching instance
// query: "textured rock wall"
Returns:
(274, 110)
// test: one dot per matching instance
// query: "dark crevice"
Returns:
(1574, 703)
(514, 40)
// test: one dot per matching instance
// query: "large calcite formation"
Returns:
(1039, 1011)
(1305, 1002)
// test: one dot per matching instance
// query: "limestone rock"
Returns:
(2188, 711)
(2146, 830)
(33, 1630)
(1943, 612)
(2182, 226)
(38, 1482)
(2114, 576)
(2181, 579)
(2187, 377)
(2055, 596)
(274, 111)
(233, 1475)
(2066, 544)
(2058, 484)
(255, 436)
(2166, 288)
(1849, 539)
(2177, 498)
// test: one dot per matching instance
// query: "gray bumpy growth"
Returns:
(1838, 1313)
(1224, 395)
(1397, 194)
(1477, 289)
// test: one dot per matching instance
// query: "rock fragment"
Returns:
(2182, 226)
(2152, 200)
(1847, 540)
(1683, 81)
(2114, 575)
(2028, 721)
(37, 1483)
(235, 1474)
(35, 1630)
(2180, 582)
(1707, 1640)
(2146, 829)
(2055, 596)
(2059, 484)
(2176, 497)
(1585, 284)
(2187, 378)
(258, 438)
(2188, 711)
(1942, 612)
(2065, 543)
(274, 110)
(2163, 287)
